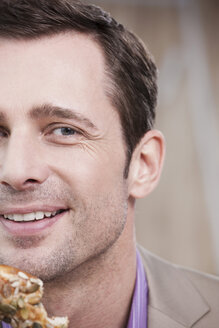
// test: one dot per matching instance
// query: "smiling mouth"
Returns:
(33, 216)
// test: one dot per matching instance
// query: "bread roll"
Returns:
(20, 301)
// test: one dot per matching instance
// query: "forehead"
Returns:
(66, 69)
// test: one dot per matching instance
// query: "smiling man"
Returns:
(77, 147)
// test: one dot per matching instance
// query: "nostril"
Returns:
(30, 181)
(5, 183)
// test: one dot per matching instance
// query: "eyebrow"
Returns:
(51, 111)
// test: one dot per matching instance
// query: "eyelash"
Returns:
(67, 128)
(75, 134)
(73, 137)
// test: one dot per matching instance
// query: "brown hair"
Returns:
(129, 66)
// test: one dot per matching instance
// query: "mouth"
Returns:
(26, 222)
(32, 216)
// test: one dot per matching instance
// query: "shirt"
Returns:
(138, 313)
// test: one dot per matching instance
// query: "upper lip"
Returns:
(31, 209)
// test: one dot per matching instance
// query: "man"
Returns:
(77, 147)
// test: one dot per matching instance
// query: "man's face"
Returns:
(62, 156)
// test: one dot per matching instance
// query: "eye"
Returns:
(63, 134)
(64, 131)
(3, 133)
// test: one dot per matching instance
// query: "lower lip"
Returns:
(29, 228)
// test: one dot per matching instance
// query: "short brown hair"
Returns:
(132, 72)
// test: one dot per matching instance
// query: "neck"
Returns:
(99, 292)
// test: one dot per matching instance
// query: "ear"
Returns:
(146, 164)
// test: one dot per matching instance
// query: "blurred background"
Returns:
(179, 220)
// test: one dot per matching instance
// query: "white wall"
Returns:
(179, 221)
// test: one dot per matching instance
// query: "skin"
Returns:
(90, 249)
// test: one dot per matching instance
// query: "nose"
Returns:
(21, 163)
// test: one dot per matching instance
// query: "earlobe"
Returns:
(146, 164)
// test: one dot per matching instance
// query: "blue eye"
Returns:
(64, 131)
(59, 133)
(3, 133)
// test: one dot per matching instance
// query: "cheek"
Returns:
(91, 171)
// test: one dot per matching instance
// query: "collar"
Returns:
(171, 294)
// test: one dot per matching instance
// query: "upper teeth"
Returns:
(29, 216)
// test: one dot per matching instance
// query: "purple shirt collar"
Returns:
(138, 314)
